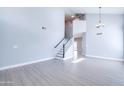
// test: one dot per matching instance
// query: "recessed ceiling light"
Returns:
(72, 16)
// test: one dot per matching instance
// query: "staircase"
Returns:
(64, 44)
(60, 54)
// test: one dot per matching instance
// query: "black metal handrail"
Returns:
(63, 50)
(59, 43)
(64, 47)
(67, 41)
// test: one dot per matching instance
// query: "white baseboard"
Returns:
(68, 58)
(106, 58)
(27, 63)
(64, 58)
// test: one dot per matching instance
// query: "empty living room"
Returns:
(62, 46)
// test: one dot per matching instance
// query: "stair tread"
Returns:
(58, 56)
(60, 53)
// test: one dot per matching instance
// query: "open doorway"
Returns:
(75, 28)
(79, 34)
(78, 48)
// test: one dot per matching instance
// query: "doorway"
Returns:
(78, 48)
(75, 27)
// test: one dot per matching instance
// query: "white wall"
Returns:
(79, 26)
(110, 44)
(23, 40)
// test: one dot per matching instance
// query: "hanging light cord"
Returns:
(100, 24)
(99, 14)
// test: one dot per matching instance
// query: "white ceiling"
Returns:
(89, 10)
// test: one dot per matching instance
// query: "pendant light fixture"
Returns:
(100, 24)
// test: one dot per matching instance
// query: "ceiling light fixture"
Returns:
(100, 24)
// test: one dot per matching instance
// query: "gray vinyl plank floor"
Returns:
(88, 72)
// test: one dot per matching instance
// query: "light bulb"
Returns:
(99, 25)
